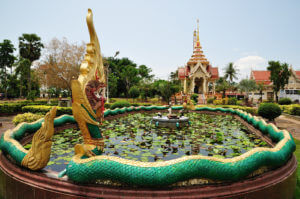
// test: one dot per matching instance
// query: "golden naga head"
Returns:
(88, 91)
(91, 83)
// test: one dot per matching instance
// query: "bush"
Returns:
(269, 111)
(285, 101)
(31, 95)
(239, 102)
(134, 92)
(295, 110)
(16, 107)
(210, 100)
(120, 104)
(26, 117)
(250, 110)
(194, 97)
(44, 109)
(217, 102)
(232, 101)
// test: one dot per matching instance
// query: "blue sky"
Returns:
(158, 33)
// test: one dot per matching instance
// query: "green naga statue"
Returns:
(89, 164)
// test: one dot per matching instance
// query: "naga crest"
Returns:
(88, 92)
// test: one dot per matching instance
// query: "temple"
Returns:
(198, 76)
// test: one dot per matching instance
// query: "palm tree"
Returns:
(230, 72)
(30, 47)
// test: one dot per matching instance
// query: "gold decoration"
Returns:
(91, 68)
(39, 153)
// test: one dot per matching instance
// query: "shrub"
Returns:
(120, 104)
(239, 102)
(224, 101)
(285, 101)
(194, 97)
(26, 117)
(134, 92)
(269, 111)
(217, 102)
(44, 109)
(31, 95)
(107, 105)
(210, 100)
(295, 110)
(16, 107)
(232, 101)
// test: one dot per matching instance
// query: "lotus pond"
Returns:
(134, 137)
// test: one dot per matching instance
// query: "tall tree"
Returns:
(7, 60)
(22, 70)
(127, 74)
(247, 85)
(60, 63)
(260, 87)
(30, 47)
(280, 74)
(167, 89)
(230, 72)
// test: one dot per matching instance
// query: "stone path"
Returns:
(6, 123)
(291, 125)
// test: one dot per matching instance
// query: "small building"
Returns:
(291, 90)
(198, 76)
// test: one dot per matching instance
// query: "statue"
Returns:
(88, 93)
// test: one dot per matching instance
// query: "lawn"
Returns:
(297, 153)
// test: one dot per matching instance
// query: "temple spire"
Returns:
(198, 30)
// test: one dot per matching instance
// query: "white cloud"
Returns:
(245, 64)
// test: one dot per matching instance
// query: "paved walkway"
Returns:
(291, 125)
(6, 123)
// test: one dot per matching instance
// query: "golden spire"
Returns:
(198, 30)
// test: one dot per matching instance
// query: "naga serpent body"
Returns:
(152, 174)
(89, 165)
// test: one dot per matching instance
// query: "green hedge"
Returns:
(15, 107)
(293, 109)
(247, 109)
(44, 109)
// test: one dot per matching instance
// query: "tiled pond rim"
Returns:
(157, 174)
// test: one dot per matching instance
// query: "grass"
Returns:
(297, 154)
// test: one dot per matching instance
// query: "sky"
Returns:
(159, 33)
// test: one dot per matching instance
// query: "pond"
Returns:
(134, 137)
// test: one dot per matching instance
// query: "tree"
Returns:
(30, 47)
(280, 74)
(61, 63)
(260, 88)
(134, 92)
(167, 89)
(247, 85)
(7, 60)
(22, 70)
(125, 74)
(230, 72)
(222, 85)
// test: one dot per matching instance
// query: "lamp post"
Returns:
(107, 73)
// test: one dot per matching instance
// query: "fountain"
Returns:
(91, 173)
(171, 120)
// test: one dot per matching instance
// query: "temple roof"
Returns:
(214, 71)
(261, 76)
